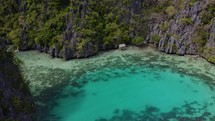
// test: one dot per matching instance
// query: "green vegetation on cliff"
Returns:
(47, 23)
(81, 28)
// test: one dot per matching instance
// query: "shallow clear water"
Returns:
(132, 85)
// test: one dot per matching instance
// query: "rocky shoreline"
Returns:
(181, 28)
(50, 52)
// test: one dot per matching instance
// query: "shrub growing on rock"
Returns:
(186, 21)
(138, 40)
(170, 11)
(156, 38)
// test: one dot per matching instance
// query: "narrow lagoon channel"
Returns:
(132, 85)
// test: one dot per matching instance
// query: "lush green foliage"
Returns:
(208, 14)
(186, 21)
(9, 18)
(138, 40)
(211, 59)
(46, 22)
(156, 38)
(164, 26)
(200, 37)
(192, 2)
(170, 11)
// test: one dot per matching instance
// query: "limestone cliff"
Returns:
(185, 28)
(82, 28)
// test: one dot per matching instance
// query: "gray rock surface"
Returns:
(179, 34)
(179, 38)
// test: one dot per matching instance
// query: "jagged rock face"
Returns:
(82, 28)
(79, 28)
(178, 36)
(16, 103)
(181, 34)
(70, 42)
(211, 41)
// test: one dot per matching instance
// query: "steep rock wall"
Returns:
(189, 31)
(82, 28)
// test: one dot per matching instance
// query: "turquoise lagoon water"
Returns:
(132, 85)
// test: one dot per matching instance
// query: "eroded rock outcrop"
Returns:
(189, 31)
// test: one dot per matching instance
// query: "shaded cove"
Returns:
(132, 85)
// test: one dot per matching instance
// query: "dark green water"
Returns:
(132, 85)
